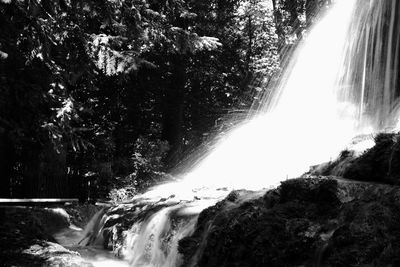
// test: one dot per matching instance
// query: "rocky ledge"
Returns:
(26, 236)
(319, 221)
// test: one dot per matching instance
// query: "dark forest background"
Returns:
(102, 98)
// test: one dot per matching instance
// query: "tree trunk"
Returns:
(45, 174)
(7, 158)
(53, 172)
(30, 173)
(196, 106)
(174, 105)
(278, 25)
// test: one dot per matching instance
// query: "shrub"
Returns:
(147, 163)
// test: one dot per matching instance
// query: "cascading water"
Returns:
(370, 72)
(341, 81)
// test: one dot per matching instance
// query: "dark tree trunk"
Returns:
(30, 173)
(77, 181)
(100, 187)
(7, 158)
(174, 105)
(45, 172)
(278, 25)
(294, 20)
(53, 172)
(195, 105)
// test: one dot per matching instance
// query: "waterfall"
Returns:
(155, 241)
(369, 75)
(341, 81)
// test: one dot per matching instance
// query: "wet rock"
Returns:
(380, 164)
(25, 239)
(305, 222)
(53, 255)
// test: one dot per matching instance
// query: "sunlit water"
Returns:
(76, 239)
(340, 82)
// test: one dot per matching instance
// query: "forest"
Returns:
(101, 97)
(209, 133)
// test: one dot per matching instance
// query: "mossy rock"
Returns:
(380, 164)
(305, 222)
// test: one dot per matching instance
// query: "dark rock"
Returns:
(381, 163)
(25, 239)
(305, 222)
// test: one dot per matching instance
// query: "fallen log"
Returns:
(35, 201)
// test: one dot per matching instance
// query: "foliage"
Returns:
(147, 169)
(293, 17)
(121, 195)
(94, 90)
(256, 24)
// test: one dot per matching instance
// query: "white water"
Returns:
(339, 83)
(335, 87)
(155, 233)
(303, 124)
(77, 239)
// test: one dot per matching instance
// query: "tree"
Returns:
(88, 88)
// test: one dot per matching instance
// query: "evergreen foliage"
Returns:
(85, 83)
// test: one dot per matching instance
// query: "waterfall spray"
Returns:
(340, 82)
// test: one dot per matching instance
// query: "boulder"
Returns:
(315, 221)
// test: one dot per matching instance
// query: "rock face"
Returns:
(304, 222)
(26, 240)
(381, 163)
